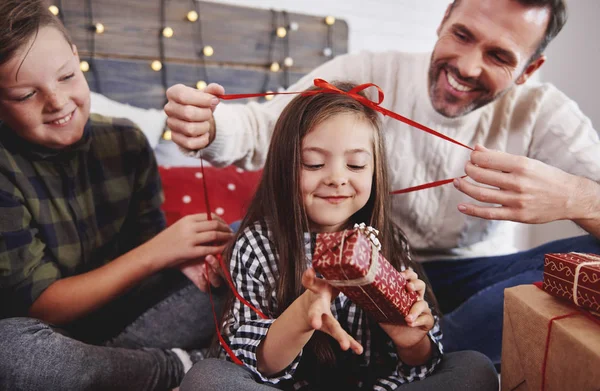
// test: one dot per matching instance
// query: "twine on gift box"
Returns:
(366, 279)
(596, 261)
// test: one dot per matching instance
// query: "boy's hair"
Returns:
(278, 199)
(21, 21)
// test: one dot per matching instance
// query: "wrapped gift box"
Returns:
(569, 272)
(351, 261)
(574, 345)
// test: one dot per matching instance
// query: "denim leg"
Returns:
(471, 292)
(214, 374)
(459, 371)
(36, 357)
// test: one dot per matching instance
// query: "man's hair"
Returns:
(20, 22)
(556, 21)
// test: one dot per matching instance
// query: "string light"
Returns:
(288, 62)
(167, 32)
(275, 67)
(99, 27)
(192, 16)
(294, 26)
(327, 52)
(201, 85)
(269, 97)
(54, 10)
(167, 135)
(330, 20)
(84, 66)
(281, 32)
(208, 51)
(156, 65)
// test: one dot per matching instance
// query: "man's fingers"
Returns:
(188, 113)
(191, 143)
(191, 96)
(189, 129)
(500, 161)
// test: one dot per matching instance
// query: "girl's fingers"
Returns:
(425, 320)
(410, 274)
(213, 276)
(417, 309)
(314, 284)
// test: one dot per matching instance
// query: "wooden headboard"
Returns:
(244, 42)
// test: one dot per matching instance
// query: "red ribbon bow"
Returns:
(324, 87)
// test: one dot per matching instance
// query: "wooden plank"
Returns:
(239, 35)
(135, 83)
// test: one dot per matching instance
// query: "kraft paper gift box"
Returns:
(574, 277)
(351, 261)
(573, 359)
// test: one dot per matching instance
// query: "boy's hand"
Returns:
(196, 271)
(191, 238)
(190, 115)
(419, 320)
(317, 304)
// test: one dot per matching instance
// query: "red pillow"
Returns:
(230, 190)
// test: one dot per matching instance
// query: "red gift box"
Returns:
(351, 261)
(575, 277)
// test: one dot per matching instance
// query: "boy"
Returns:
(90, 294)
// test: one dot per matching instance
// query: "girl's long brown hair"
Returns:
(278, 200)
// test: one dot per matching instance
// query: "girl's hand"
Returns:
(419, 320)
(191, 238)
(317, 305)
(197, 270)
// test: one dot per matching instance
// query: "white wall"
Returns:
(376, 25)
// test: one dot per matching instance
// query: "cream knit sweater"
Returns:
(537, 121)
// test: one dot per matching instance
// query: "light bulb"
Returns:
(288, 62)
(208, 51)
(330, 20)
(99, 28)
(275, 67)
(54, 10)
(167, 135)
(327, 52)
(156, 65)
(201, 85)
(294, 26)
(269, 97)
(192, 16)
(84, 66)
(281, 32)
(167, 32)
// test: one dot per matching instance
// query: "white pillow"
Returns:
(150, 121)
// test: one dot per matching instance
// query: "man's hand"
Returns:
(190, 115)
(526, 190)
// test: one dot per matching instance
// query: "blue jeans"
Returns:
(471, 292)
(124, 346)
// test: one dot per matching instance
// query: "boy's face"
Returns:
(47, 100)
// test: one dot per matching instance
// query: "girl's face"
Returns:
(47, 100)
(337, 170)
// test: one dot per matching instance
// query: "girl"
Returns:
(325, 171)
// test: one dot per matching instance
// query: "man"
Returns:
(540, 162)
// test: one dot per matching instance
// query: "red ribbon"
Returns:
(324, 87)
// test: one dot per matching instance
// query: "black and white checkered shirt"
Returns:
(254, 271)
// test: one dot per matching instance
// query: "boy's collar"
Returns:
(34, 151)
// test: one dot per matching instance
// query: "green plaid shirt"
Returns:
(64, 213)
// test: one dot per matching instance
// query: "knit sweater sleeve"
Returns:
(243, 131)
(563, 136)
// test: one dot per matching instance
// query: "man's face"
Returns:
(483, 49)
(47, 100)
